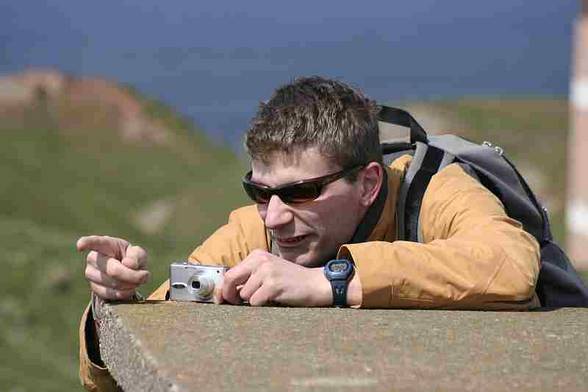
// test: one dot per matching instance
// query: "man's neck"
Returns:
(372, 215)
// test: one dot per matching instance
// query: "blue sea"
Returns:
(214, 61)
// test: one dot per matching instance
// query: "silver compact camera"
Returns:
(194, 282)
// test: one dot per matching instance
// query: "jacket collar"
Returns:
(379, 223)
(372, 215)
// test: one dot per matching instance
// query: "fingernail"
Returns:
(78, 244)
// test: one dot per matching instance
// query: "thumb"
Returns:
(217, 295)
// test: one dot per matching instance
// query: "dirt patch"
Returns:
(152, 218)
(74, 103)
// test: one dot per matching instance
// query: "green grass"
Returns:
(43, 297)
(58, 184)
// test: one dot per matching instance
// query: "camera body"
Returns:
(194, 282)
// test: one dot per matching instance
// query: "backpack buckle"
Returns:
(499, 150)
(546, 225)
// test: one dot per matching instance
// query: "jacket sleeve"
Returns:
(230, 244)
(473, 255)
(94, 376)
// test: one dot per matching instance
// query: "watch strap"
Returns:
(339, 288)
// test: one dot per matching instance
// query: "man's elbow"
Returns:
(516, 281)
(522, 290)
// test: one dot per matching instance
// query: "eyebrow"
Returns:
(280, 185)
(276, 186)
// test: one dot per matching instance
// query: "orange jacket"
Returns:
(473, 255)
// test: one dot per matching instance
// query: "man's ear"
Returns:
(371, 178)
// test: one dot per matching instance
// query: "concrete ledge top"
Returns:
(172, 346)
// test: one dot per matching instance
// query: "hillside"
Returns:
(81, 156)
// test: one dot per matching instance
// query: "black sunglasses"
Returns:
(294, 192)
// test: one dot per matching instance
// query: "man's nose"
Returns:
(277, 213)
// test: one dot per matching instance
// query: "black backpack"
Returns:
(559, 285)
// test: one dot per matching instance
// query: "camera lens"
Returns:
(202, 286)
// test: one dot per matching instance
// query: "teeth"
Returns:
(293, 239)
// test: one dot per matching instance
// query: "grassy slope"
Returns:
(56, 187)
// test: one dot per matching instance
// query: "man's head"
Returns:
(316, 112)
(312, 128)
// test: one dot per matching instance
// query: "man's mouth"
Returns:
(290, 241)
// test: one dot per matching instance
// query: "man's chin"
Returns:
(304, 260)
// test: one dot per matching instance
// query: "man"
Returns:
(321, 193)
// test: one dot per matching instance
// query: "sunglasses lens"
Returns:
(300, 193)
(258, 195)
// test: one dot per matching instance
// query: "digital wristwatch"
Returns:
(339, 272)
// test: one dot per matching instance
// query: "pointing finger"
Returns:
(111, 246)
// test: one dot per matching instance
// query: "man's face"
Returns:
(308, 233)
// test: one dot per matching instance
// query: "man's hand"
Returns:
(263, 278)
(114, 267)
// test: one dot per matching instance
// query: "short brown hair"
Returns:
(316, 112)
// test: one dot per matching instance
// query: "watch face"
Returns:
(338, 270)
(338, 267)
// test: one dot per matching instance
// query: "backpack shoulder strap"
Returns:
(401, 117)
(427, 161)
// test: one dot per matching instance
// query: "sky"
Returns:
(214, 61)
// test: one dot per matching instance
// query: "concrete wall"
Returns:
(173, 346)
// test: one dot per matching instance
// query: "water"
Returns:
(214, 61)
